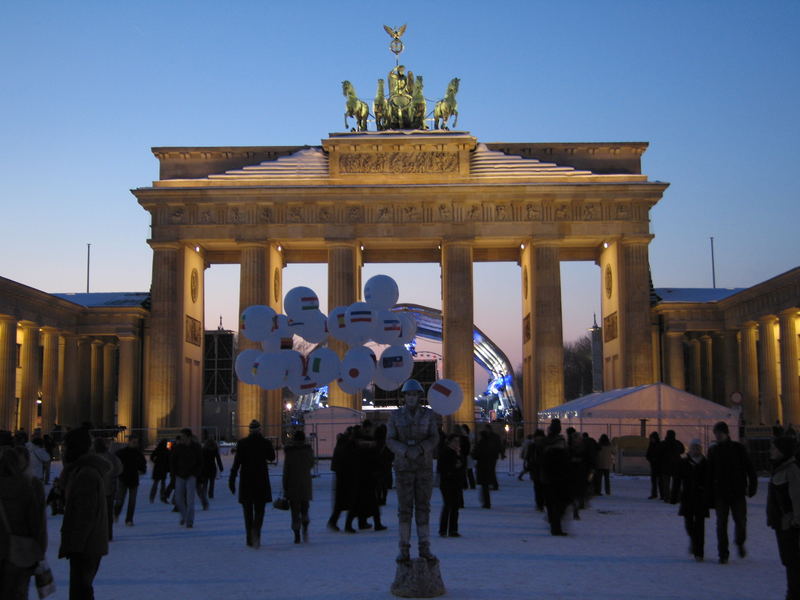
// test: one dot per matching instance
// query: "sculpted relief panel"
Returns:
(399, 162)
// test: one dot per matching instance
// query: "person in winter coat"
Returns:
(466, 456)
(671, 451)
(253, 455)
(555, 476)
(84, 530)
(160, 459)
(212, 462)
(604, 461)
(133, 465)
(450, 467)
(692, 471)
(367, 472)
(186, 461)
(654, 458)
(485, 454)
(39, 458)
(783, 509)
(297, 464)
(533, 464)
(23, 514)
(731, 476)
(344, 480)
(110, 480)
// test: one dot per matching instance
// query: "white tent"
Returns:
(654, 407)
(324, 424)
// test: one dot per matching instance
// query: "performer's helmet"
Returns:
(412, 385)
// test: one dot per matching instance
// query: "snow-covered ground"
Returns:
(624, 547)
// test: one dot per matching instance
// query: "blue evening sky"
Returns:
(90, 87)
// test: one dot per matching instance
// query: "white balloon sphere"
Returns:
(360, 319)
(323, 365)
(337, 324)
(299, 300)
(396, 363)
(384, 382)
(348, 387)
(271, 344)
(381, 291)
(445, 396)
(295, 364)
(255, 322)
(358, 367)
(280, 326)
(316, 327)
(388, 327)
(245, 365)
(409, 329)
(271, 370)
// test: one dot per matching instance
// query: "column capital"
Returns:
(165, 245)
(767, 319)
(631, 240)
(675, 333)
(788, 313)
(8, 318)
(253, 243)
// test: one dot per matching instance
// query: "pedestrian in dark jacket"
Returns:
(466, 456)
(450, 467)
(253, 455)
(385, 460)
(654, 458)
(533, 464)
(731, 477)
(579, 469)
(485, 454)
(603, 464)
(367, 472)
(671, 451)
(160, 460)
(84, 530)
(110, 480)
(22, 513)
(298, 460)
(212, 462)
(133, 465)
(693, 472)
(783, 509)
(344, 481)
(186, 462)
(555, 476)
(498, 451)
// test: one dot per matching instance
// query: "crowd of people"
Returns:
(566, 469)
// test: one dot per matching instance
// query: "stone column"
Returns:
(749, 374)
(68, 408)
(166, 323)
(548, 339)
(695, 367)
(128, 382)
(253, 289)
(730, 362)
(790, 386)
(30, 376)
(344, 268)
(8, 372)
(675, 363)
(109, 382)
(634, 321)
(768, 369)
(706, 367)
(458, 323)
(50, 360)
(96, 385)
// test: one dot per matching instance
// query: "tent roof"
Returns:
(655, 400)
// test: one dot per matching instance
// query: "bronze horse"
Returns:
(447, 106)
(354, 107)
(380, 108)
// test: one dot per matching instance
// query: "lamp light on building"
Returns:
(280, 248)
(362, 247)
(605, 244)
(197, 248)
(522, 246)
(288, 406)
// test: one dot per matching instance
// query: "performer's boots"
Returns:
(405, 542)
(425, 551)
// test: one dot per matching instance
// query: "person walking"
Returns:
(731, 476)
(38, 458)
(186, 460)
(22, 513)
(533, 461)
(671, 450)
(344, 479)
(450, 467)
(466, 456)
(654, 459)
(555, 476)
(212, 463)
(692, 471)
(485, 454)
(133, 465)
(110, 479)
(605, 460)
(84, 529)
(160, 459)
(298, 460)
(783, 509)
(253, 455)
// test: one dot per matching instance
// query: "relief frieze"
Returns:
(533, 212)
(266, 215)
(295, 215)
(384, 214)
(399, 162)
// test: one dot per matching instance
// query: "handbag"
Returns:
(45, 584)
(23, 551)
(281, 503)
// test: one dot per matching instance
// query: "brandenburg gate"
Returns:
(400, 196)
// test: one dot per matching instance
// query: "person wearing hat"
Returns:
(412, 436)
(731, 476)
(253, 455)
(694, 508)
(783, 509)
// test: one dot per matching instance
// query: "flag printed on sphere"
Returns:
(392, 325)
(340, 322)
(309, 303)
(442, 389)
(361, 316)
(390, 362)
(315, 365)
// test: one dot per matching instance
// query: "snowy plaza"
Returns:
(625, 547)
